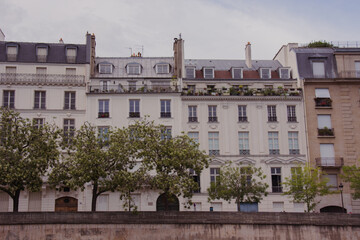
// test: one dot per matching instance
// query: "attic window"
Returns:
(41, 54)
(237, 73)
(12, 52)
(71, 55)
(208, 73)
(284, 73)
(318, 69)
(190, 72)
(133, 69)
(162, 68)
(105, 68)
(265, 73)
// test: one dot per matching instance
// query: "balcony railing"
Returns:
(134, 114)
(121, 88)
(323, 102)
(165, 114)
(329, 161)
(27, 78)
(349, 74)
(243, 119)
(193, 119)
(213, 119)
(214, 152)
(323, 132)
(274, 151)
(244, 152)
(272, 119)
(291, 118)
(103, 115)
(277, 189)
(294, 151)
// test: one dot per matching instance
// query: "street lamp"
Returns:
(341, 186)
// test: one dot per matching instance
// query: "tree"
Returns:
(170, 159)
(26, 153)
(103, 161)
(305, 184)
(242, 183)
(320, 44)
(351, 174)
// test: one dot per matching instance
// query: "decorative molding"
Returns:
(213, 126)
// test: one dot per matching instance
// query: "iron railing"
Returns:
(349, 74)
(326, 132)
(274, 151)
(244, 152)
(213, 119)
(243, 119)
(121, 88)
(329, 161)
(323, 102)
(193, 119)
(214, 152)
(294, 151)
(28, 78)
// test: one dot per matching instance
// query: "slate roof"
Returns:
(147, 64)
(228, 64)
(56, 52)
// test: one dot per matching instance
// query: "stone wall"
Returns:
(178, 225)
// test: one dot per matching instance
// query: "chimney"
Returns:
(61, 40)
(90, 52)
(248, 55)
(2, 35)
(178, 48)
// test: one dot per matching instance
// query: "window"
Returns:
(332, 182)
(105, 68)
(327, 154)
(208, 73)
(276, 180)
(71, 55)
(291, 113)
(41, 54)
(322, 93)
(293, 143)
(196, 178)
(273, 143)
(134, 108)
(324, 125)
(132, 86)
(194, 136)
(103, 134)
(10, 70)
(9, 99)
(318, 69)
(38, 122)
(34, 202)
(193, 114)
(41, 74)
(190, 72)
(70, 72)
(322, 97)
(214, 175)
(12, 52)
(69, 130)
(284, 73)
(244, 143)
(133, 69)
(214, 143)
(295, 175)
(103, 109)
(165, 110)
(272, 113)
(357, 69)
(162, 68)
(212, 114)
(242, 113)
(265, 73)
(104, 86)
(237, 73)
(39, 101)
(69, 102)
(166, 133)
(246, 175)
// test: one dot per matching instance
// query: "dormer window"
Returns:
(105, 68)
(190, 72)
(12, 52)
(208, 73)
(237, 73)
(133, 69)
(284, 73)
(162, 68)
(71, 55)
(41, 54)
(265, 73)
(318, 69)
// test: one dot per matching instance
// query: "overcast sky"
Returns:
(211, 28)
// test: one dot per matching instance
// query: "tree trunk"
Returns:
(129, 200)
(94, 197)
(16, 201)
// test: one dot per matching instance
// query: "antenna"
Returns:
(130, 50)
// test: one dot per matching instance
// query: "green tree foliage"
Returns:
(169, 159)
(103, 162)
(352, 175)
(241, 183)
(26, 153)
(305, 184)
(320, 44)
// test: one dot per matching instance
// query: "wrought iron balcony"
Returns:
(125, 89)
(349, 74)
(214, 152)
(134, 114)
(294, 151)
(165, 114)
(335, 162)
(291, 118)
(243, 119)
(193, 119)
(244, 152)
(272, 119)
(274, 151)
(323, 102)
(323, 132)
(51, 79)
(213, 119)
(103, 115)
(277, 189)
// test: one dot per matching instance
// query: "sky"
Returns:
(212, 29)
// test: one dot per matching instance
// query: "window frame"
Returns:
(69, 129)
(165, 108)
(192, 111)
(237, 69)
(291, 113)
(69, 100)
(187, 72)
(214, 147)
(104, 105)
(287, 74)
(242, 113)
(244, 143)
(314, 71)
(271, 112)
(212, 113)
(262, 73)
(160, 67)
(215, 175)
(9, 99)
(40, 100)
(293, 141)
(134, 108)
(207, 75)
(273, 141)
(105, 68)
(131, 67)
(276, 179)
